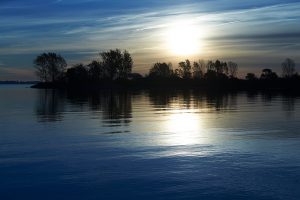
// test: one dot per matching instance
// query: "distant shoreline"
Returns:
(19, 82)
(287, 85)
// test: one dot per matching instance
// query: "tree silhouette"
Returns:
(211, 75)
(232, 69)
(161, 70)
(112, 61)
(77, 74)
(117, 64)
(97, 71)
(221, 67)
(185, 69)
(250, 76)
(210, 66)
(216, 70)
(198, 69)
(268, 74)
(218, 67)
(50, 67)
(288, 68)
(126, 66)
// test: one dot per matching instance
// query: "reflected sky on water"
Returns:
(148, 144)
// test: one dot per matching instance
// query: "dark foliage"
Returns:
(77, 74)
(268, 74)
(117, 64)
(185, 69)
(198, 69)
(50, 67)
(250, 77)
(161, 70)
(96, 71)
(113, 70)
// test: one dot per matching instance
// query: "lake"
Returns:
(148, 145)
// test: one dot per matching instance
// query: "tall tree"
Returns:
(97, 71)
(50, 67)
(288, 67)
(118, 64)
(126, 66)
(232, 69)
(198, 69)
(185, 69)
(221, 67)
(210, 66)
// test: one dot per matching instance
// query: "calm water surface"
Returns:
(148, 145)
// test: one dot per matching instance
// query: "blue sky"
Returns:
(255, 34)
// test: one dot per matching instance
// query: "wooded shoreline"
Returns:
(280, 84)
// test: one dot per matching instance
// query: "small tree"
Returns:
(268, 74)
(250, 77)
(232, 69)
(288, 68)
(185, 69)
(50, 67)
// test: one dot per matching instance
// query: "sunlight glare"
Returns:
(184, 38)
(185, 128)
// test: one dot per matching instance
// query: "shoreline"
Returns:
(236, 85)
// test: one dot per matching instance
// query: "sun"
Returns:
(184, 38)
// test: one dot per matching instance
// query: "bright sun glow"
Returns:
(184, 38)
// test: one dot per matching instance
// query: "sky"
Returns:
(254, 34)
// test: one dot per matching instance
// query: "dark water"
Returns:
(148, 145)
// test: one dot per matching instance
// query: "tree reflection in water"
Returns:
(192, 99)
(115, 107)
(50, 105)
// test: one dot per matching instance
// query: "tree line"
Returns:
(196, 70)
(113, 64)
(117, 65)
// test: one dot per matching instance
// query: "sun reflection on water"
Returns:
(184, 127)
